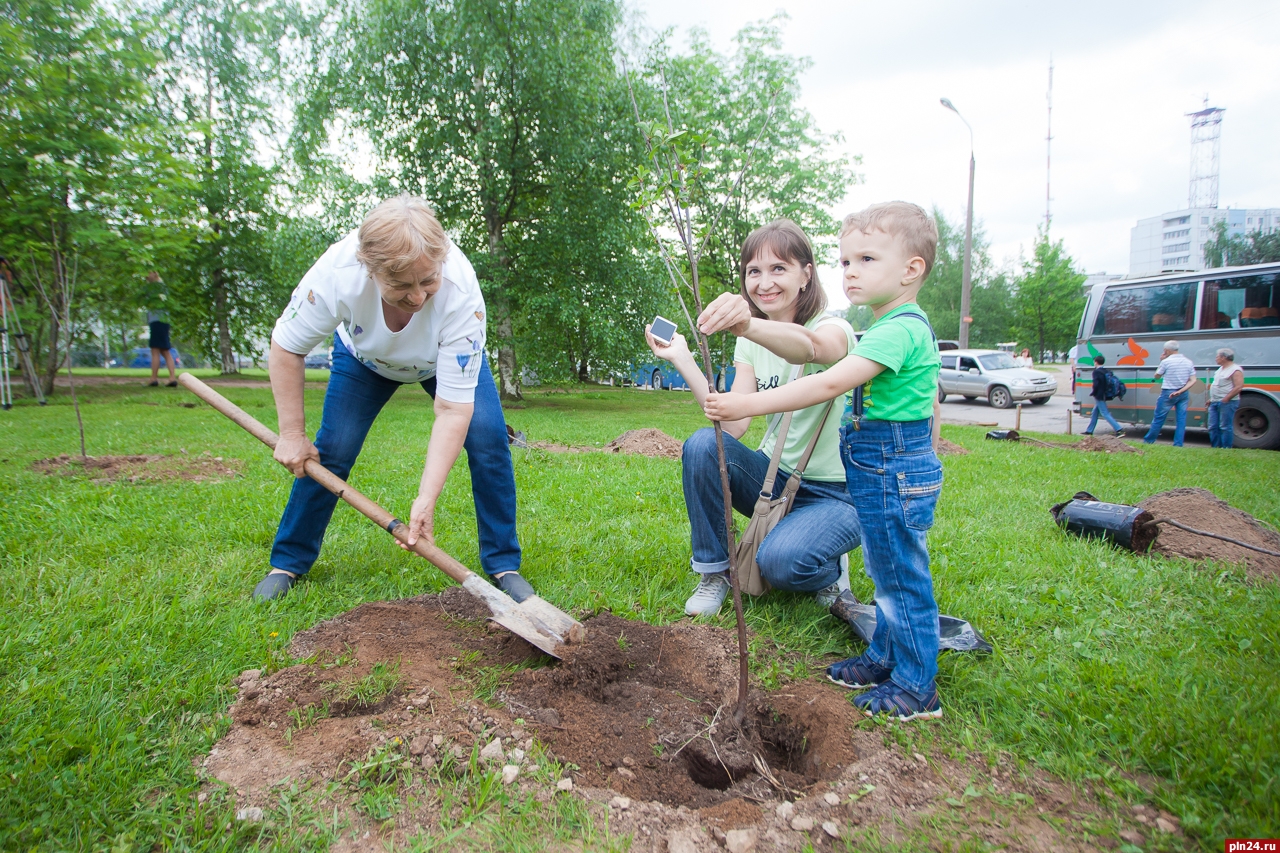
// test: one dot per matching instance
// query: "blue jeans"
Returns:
(1100, 409)
(354, 398)
(895, 478)
(1222, 422)
(1166, 402)
(802, 553)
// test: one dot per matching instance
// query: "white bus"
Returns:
(1236, 307)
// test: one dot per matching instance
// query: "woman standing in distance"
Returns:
(779, 321)
(404, 306)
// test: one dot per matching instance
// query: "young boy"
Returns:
(891, 470)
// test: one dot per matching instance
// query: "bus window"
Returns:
(1154, 308)
(1241, 303)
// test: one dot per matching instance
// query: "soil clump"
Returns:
(647, 442)
(641, 717)
(142, 468)
(1103, 444)
(1089, 444)
(1203, 510)
(950, 448)
(642, 442)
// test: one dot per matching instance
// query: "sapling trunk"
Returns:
(669, 173)
(740, 708)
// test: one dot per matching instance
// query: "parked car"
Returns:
(974, 373)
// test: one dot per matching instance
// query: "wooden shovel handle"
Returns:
(332, 482)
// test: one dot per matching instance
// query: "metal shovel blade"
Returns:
(534, 620)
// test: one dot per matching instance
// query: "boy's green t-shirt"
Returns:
(908, 386)
(773, 371)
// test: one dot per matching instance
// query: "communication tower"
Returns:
(1206, 131)
(1048, 150)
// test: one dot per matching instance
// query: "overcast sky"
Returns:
(1125, 73)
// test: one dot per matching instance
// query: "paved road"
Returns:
(1050, 417)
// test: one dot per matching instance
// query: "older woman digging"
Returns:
(404, 306)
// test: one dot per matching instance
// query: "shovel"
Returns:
(533, 619)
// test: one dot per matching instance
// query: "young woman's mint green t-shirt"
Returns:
(907, 387)
(773, 371)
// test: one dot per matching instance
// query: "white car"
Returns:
(974, 373)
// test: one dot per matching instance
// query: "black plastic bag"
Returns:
(954, 634)
(1119, 524)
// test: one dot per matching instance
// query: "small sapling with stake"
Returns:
(675, 202)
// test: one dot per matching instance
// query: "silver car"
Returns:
(974, 373)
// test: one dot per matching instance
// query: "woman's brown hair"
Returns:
(789, 242)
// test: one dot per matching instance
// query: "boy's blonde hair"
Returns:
(398, 233)
(901, 219)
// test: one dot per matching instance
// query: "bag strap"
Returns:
(813, 442)
(766, 488)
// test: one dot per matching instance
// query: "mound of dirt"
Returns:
(646, 442)
(640, 714)
(139, 468)
(950, 448)
(1102, 444)
(1203, 510)
(553, 447)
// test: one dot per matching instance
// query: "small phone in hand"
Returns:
(663, 330)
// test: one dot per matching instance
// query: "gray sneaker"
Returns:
(827, 595)
(707, 598)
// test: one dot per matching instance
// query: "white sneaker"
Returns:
(707, 598)
(828, 595)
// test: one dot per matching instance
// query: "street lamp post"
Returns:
(966, 283)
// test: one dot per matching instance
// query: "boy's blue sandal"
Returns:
(275, 585)
(899, 703)
(858, 673)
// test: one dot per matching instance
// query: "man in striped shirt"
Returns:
(1179, 376)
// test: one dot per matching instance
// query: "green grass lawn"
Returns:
(126, 607)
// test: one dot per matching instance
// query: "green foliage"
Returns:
(223, 78)
(85, 170)
(1048, 298)
(506, 115)
(1254, 247)
(748, 152)
(860, 317)
(990, 297)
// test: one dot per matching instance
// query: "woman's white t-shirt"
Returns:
(445, 339)
(772, 371)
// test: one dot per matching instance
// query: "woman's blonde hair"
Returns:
(788, 241)
(398, 233)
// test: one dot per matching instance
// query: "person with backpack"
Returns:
(1105, 387)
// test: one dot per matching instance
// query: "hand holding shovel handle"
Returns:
(534, 619)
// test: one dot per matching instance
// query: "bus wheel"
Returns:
(999, 397)
(1257, 424)
(657, 380)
